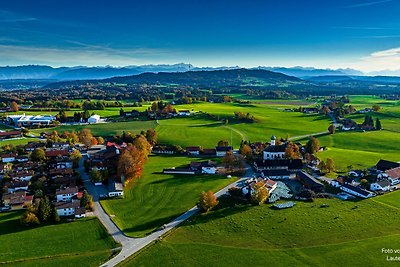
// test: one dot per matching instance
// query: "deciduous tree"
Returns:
(332, 129)
(38, 155)
(207, 201)
(260, 193)
(14, 106)
(312, 145)
(44, 209)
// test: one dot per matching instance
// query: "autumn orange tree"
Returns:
(14, 107)
(292, 151)
(245, 150)
(207, 201)
(260, 193)
(85, 137)
(130, 163)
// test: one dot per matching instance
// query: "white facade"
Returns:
(94, 119)
(355, 193)
(24, 120)
(12, 190)
(221, 153)
(66, 212)
(377, 186)
(115, 193)
(208, 170)
(65, 197)
(273, 155)
(8, 159)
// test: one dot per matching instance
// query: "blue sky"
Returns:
(362, 34)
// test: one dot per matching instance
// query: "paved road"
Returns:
(132, 245)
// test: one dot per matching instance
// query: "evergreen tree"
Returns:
(44, 210)
(54, 215)
(378, 125)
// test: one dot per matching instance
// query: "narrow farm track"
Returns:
(243, 135)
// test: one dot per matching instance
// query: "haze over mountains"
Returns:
(41, 72)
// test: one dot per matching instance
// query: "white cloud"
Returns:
(364, 4)
(8, 16)
(90, 55)
(388, 59)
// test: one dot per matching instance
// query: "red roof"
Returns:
(10, 133)
(56, 153)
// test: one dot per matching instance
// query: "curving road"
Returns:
(132, 245)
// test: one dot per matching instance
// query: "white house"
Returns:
(209, 169)
(116, 190)
(6, 158)
(383, 185)
(274, 151)
(184, 112)
(393, 175)
(356, 191)
(66, 194)
(94, 119)
(67, 208)
(17, 186)
(193, 150)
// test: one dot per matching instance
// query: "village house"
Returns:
(16, 185)
(67, 208)
(348, 124)
(31, 146)
(222, 150)
(66, 194)
(205, 167)
(94, 119)
(209, 152)
(383, 185)
(168, 150)
(17, 200)
(22, 175)
(248, 189)
(10, 134)
(54, 153)
(60, 145)
(393, 175)
(7, 158)
(193, 150)
(356, 191)
(184, 112)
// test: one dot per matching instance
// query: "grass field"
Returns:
(360, 149)
(17, 141)
(270, 120)
(343, 234)
(157, 198)
(50, 245)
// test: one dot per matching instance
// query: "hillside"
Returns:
(216, 78)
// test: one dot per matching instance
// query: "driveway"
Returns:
(132, 245)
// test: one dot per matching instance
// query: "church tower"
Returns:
(273, 139)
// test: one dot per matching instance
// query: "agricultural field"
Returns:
(157, 198)
(17, 141)
(270, 120)
(360, 150)
(67, 244)
(305, 235)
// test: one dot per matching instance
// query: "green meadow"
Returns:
(157, 198)
(67, 244)
(360, 149)
(343, 234)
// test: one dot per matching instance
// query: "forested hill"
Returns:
(216, 78)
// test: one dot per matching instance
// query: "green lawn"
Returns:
(50, 245)
(19, 141)
(158, 198)
(343, 234)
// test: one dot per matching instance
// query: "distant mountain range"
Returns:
(39, 72)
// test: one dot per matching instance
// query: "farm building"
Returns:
(94, 119)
